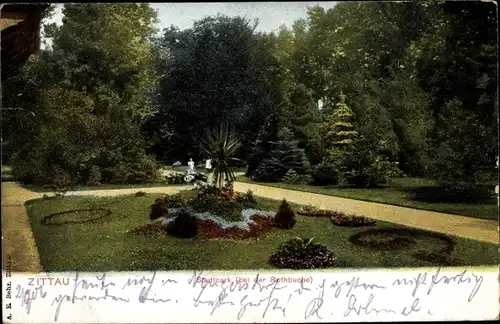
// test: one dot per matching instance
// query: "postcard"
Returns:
(251, 162)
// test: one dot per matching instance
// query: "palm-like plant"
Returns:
(221, 146)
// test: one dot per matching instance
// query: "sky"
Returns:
(271, 15)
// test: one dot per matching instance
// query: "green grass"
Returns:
(107, 244)
(400, 193)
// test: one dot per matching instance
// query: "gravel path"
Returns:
(18, 243)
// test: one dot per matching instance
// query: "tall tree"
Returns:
(341, 134)
(218, 72)
(460, 72)
(283, 156)
(303, 121)
(101, 78)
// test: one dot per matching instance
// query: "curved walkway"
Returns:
(18, 243)
(18, 240)
(468, 227)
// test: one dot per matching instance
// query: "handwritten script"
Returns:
(306, 296)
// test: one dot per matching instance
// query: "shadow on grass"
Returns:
(433, 194)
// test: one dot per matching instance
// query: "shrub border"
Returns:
(367, 222)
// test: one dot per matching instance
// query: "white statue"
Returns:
(191, 164)
(208, 164)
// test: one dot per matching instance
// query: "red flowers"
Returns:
(228, 193)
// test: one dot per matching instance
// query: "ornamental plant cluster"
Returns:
(223, 202)
(338, 218)
(210, 202)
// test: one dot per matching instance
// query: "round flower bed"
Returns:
(254, 223)
(340, 219)
(300, 253)
(402, 238)
(77, 216)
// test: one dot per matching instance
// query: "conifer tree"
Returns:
(341, 134)
(283, 156)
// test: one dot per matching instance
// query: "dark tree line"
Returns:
(411, 86)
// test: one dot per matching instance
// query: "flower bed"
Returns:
(398, 238)
(210, 212)
(254, 224)
(340, 219)
(314, 212)
(208, 229)
(302, 253)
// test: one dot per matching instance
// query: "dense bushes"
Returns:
(67, 173)
(184, 225)
(285, 217)
(226, 208)
(94, 177)
(293, 177)
(269, 170)
(324, 174)
(175, 178)
(302, 253)
(158, 209)
(370, 171)
(247, 200)
(284, 155)
(174, 201)
(223, 203)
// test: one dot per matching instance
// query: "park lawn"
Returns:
(400, 193)
(107, 244)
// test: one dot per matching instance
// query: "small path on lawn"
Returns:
(18, 243)
(127, 191)
(468, 227)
